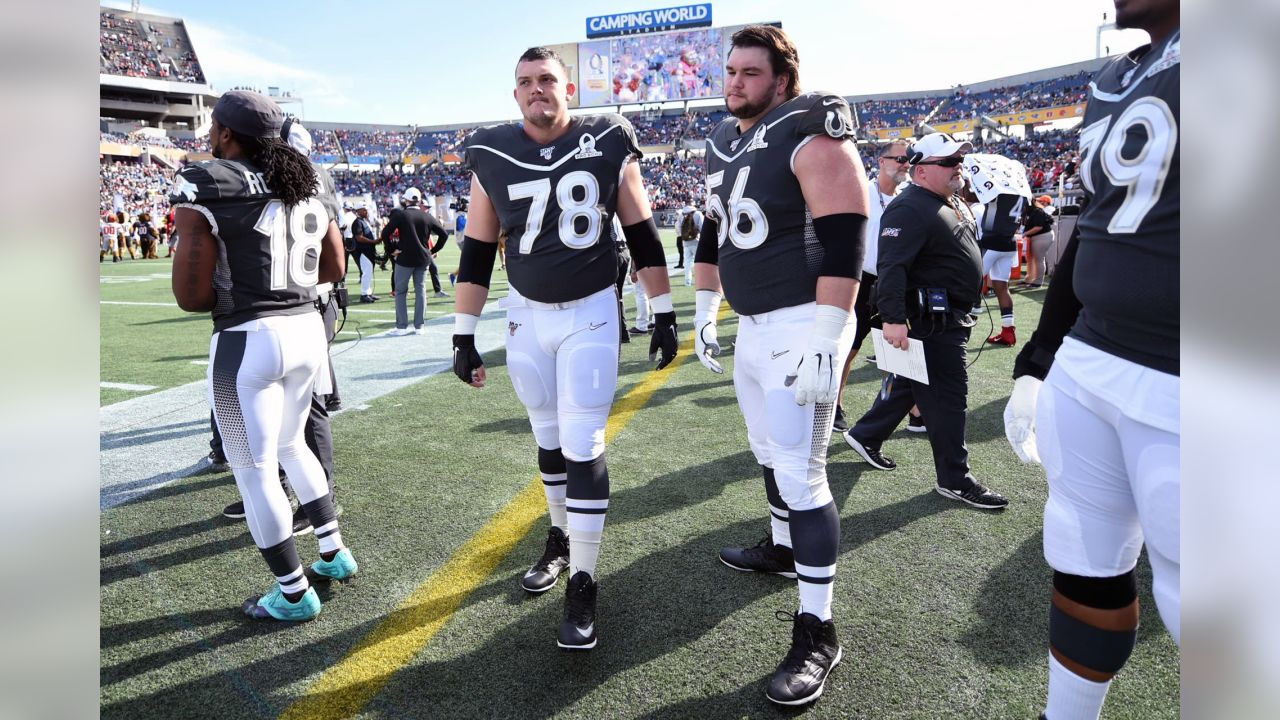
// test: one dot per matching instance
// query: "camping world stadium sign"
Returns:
(642, 21)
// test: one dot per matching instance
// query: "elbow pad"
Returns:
(708, 243)
(645, 245)
(843, 244)
(476, 265)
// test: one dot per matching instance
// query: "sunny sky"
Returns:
(430, 63)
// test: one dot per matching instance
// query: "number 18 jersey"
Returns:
(555, 202)
(1126, 271)
(268, 255)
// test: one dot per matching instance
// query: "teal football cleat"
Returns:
(340, 568)
(275, 605)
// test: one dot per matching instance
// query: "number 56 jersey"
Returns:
(268, 255)
(769, 255)
(1126, 271)
(555, 202)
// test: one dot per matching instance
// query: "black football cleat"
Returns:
(578, 629)
(815, 652)
(555, 558)
(763, 557)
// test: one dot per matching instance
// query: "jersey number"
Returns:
(303, 224)
(1143, 175)
(571, 209)
(742, 211)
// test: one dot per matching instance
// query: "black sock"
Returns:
(329, 556)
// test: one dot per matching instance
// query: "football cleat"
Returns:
(341, 568)
(301, 523)
(218, 462)
(915, 424)
(838, 423)
(555, 558)
(1005, 338)
(235, 510)
(275, 605)
(578, 629)
(976, 495)
(763, 557)
(815, 652)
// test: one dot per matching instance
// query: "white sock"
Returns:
(553, 486)
(585, 531)
(1072, 697)
(781, 528)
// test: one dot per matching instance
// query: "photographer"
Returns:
(930, 274)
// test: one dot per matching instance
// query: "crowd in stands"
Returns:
(377, 143)
(128, 48)
(141, 187)
(387, 184)
(674, 181)
(895, 113)
(1029, 96)
(1047, 155)
(429, 143)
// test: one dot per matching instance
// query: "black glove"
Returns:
(466, 360)
(664, 338)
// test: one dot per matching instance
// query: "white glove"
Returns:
(705, 342)
(817, 377)
(1020, 418)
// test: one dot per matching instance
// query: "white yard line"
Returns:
(126, 386)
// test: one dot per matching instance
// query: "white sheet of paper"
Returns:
(907, 363)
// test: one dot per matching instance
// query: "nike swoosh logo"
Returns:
(830, 101)
(589, 630)
(777, 355)
(596, 326)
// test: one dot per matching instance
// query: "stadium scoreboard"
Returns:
(649, 56)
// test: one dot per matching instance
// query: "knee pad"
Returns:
(592, 375)
(1102, 650)
(530, 387)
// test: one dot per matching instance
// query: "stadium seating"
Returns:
(146, 48)
(895, 113)
(141, 187)
(963, 105)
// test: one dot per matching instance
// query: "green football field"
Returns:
(942, 609)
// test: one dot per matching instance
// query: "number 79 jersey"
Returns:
(268, 255)
(1126, 272)
(555, 202)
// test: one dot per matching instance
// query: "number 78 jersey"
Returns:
(268, 255)
(555, 202)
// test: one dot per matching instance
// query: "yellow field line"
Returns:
(346, 687)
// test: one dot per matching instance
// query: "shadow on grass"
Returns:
(202, 317)
(510, 426)
(115, 573)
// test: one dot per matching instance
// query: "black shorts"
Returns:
(862, 309)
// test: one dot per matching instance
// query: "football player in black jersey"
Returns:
(1106, 421)
(254, 241)
(553, 184)
(787, 209)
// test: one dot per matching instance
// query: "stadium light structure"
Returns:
(1105, 26)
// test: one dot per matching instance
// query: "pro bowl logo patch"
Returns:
(586, 148)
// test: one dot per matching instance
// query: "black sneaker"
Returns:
(976, 495)
(235, 510)
(870, 453)
(301, 524)
(915, 423)
(763, 557)
(638, 331)
(555, 558)
(217, 462)
(839, 424)
(578, 629)
(332, 406)
(815, 652)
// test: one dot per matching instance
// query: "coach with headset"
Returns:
(929, 276)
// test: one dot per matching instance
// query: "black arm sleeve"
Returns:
(908, 232)
(708, 243)
(1061, 306)
(645, 244)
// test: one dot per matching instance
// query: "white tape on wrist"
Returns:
(464, 324)
(829, 322)
(661, 303)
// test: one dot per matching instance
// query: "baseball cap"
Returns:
(297, 136)
(1044, 200)
(412, 194)
(249, 113)
(936, 145)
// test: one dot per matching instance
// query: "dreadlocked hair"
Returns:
(288, 172)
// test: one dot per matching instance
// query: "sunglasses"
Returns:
(895, 158)
(949, 162)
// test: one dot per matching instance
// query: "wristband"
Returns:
(465, 324)
(661, 303)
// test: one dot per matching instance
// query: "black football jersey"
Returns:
(1127, 266)
(268, 255)
(556, 202)
(1000, 220)
(769, 254)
